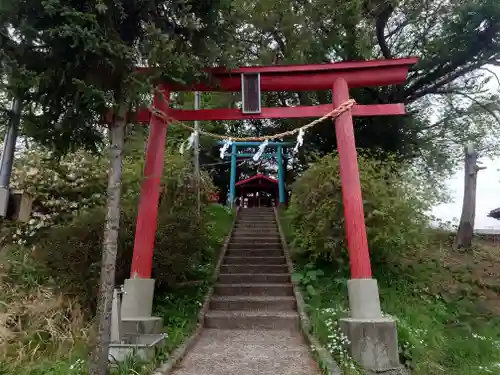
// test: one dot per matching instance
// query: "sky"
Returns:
(488, 190)
(487, 198)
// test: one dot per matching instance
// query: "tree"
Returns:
(455, 41)
(466, 227)
(79, 59)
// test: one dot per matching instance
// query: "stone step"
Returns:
(249, 209)
(256, 239)
(256, 220)
(256, 232)
(253, 268)
(257, 214)
(254, 225)
(256, 217)
(262, 245)
(254, 278)
(237, 235)
(252, 320)
(254, 260)
(248, 303)
(255, 252)
(251, 232)
(254, 289)
(267, 219)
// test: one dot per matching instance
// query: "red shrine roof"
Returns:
(257, 177)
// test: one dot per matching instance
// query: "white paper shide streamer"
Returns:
(224, 147)
(190, 142)
(300, 140)
(260, 151)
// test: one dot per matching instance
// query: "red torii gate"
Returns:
(251, 81)
(337, 76)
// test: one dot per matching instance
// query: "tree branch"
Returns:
(468, 96)
(437, 85)
(453, 68)
(380, 24)
(493, 74)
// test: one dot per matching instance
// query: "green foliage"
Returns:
(48, 332)
(395, 211)
(445, 304)
(61, 188)
(180, 238)
(451, 95)
(307, 277)
(71, 61)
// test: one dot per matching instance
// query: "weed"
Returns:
(43, 332)
(444, 302)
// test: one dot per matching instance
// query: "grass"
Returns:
(44, 333)
(445, 302)
(180, 306)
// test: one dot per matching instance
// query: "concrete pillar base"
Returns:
(137, 301)
(4, 201)
(364, 301)
(373, 343)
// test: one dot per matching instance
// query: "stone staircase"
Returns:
(252, 326)
(253, 290)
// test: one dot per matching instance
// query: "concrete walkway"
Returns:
(248, 352)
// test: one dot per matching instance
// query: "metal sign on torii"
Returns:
(251, 81)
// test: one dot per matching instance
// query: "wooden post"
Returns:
(466, 227)
(357, 242)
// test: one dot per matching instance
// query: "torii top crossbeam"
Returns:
(313, 77)
(309, 77)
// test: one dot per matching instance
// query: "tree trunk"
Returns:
(196, 146)
(466, 227)
(99, 356)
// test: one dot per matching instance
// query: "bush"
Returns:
(72, 252)
(395, 204)
(181, 236)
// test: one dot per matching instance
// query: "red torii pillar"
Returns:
(139, 288)
(374, 340)
(363, 291)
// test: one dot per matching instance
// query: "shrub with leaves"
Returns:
(60, 186)
(179, 242)
(396, 202)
